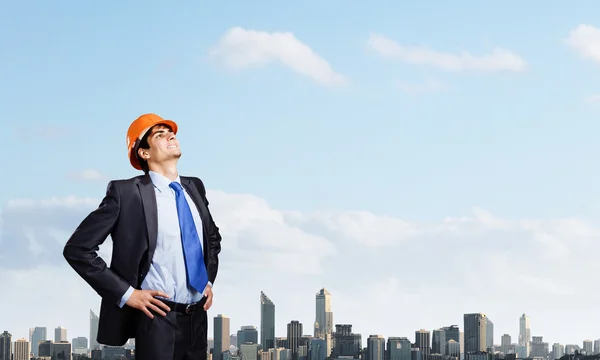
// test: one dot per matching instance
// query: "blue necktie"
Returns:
(192, 250)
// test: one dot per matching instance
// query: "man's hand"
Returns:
(145, 301)
(209, 296)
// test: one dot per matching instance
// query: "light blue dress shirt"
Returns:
(167, 270)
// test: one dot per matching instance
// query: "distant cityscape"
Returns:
(328, 342)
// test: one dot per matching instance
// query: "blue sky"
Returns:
(520, 144)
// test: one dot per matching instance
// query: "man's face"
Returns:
(163, 143)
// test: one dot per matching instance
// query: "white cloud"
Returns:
(241, 48)
(585, 39)
(88, 175)
(499, 59)
(592, 99)
(387, 275)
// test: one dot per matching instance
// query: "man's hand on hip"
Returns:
(209, 297)
(145, 301)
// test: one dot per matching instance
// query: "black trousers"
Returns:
(177, 336)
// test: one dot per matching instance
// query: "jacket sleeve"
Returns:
(214, 237)
(81, 250)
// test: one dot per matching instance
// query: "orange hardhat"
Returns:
(138, 129)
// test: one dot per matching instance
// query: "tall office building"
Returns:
(60, 334)
(94, 331)
(247, 335)
(80, 342)
(505, 344)
(524, 336)
(5, 346)
(36, 335)
(221, 336)
(324, 316)
(267, 322)
(399, 348)
(588, 347)
(21, 350)
(294, 333)
(558, 351)
(489, 334)
(346, 343)
(423, 341)
(376, 347)
(475, 332)
(597, 346)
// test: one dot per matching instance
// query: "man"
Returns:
(165, 251)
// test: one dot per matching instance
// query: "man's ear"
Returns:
(143, 153)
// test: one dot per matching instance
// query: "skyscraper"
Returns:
(489, 334)
(60, 334)
(475, 332)
(5, 346)
(524, 336)
(221, 336)
(36, 335)
(21, 350)
(94, 331)
(376, 347)
(324, 316)
(423, 341)
(247, 334)
(267, 322)
(399, 348)
(294, 332)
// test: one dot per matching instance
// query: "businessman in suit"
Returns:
(158, 287)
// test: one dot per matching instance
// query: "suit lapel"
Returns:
(195, 195)
(150, 212)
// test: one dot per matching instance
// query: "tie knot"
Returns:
(175, 186)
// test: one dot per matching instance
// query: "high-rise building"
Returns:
(399, 348)
(221, 336)
(505, 344)
(489, 335)
(588, 347)
(524, 336)
(324, 315)
(247, 335)
(60, 334)
(346, 343)
(5, 346)
(475, 333)
(317, 349)
(267, 322)
(597, 346)
(440, 338)
(94, 331)
(36, 335)
(558, 351)
(376, 347)
(423, 341)
(539, 349)
(21, 350)
(80, 342)
(61, 350)
(294, 332)
(438, 342)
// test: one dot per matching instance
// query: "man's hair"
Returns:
(144, 145)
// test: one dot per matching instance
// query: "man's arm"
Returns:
(214, 238)
(81, 249)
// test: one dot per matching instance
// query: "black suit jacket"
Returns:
(128, 213)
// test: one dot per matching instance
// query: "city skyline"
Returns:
(418, 164)
(524, 326)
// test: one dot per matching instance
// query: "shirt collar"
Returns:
(161, 182)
